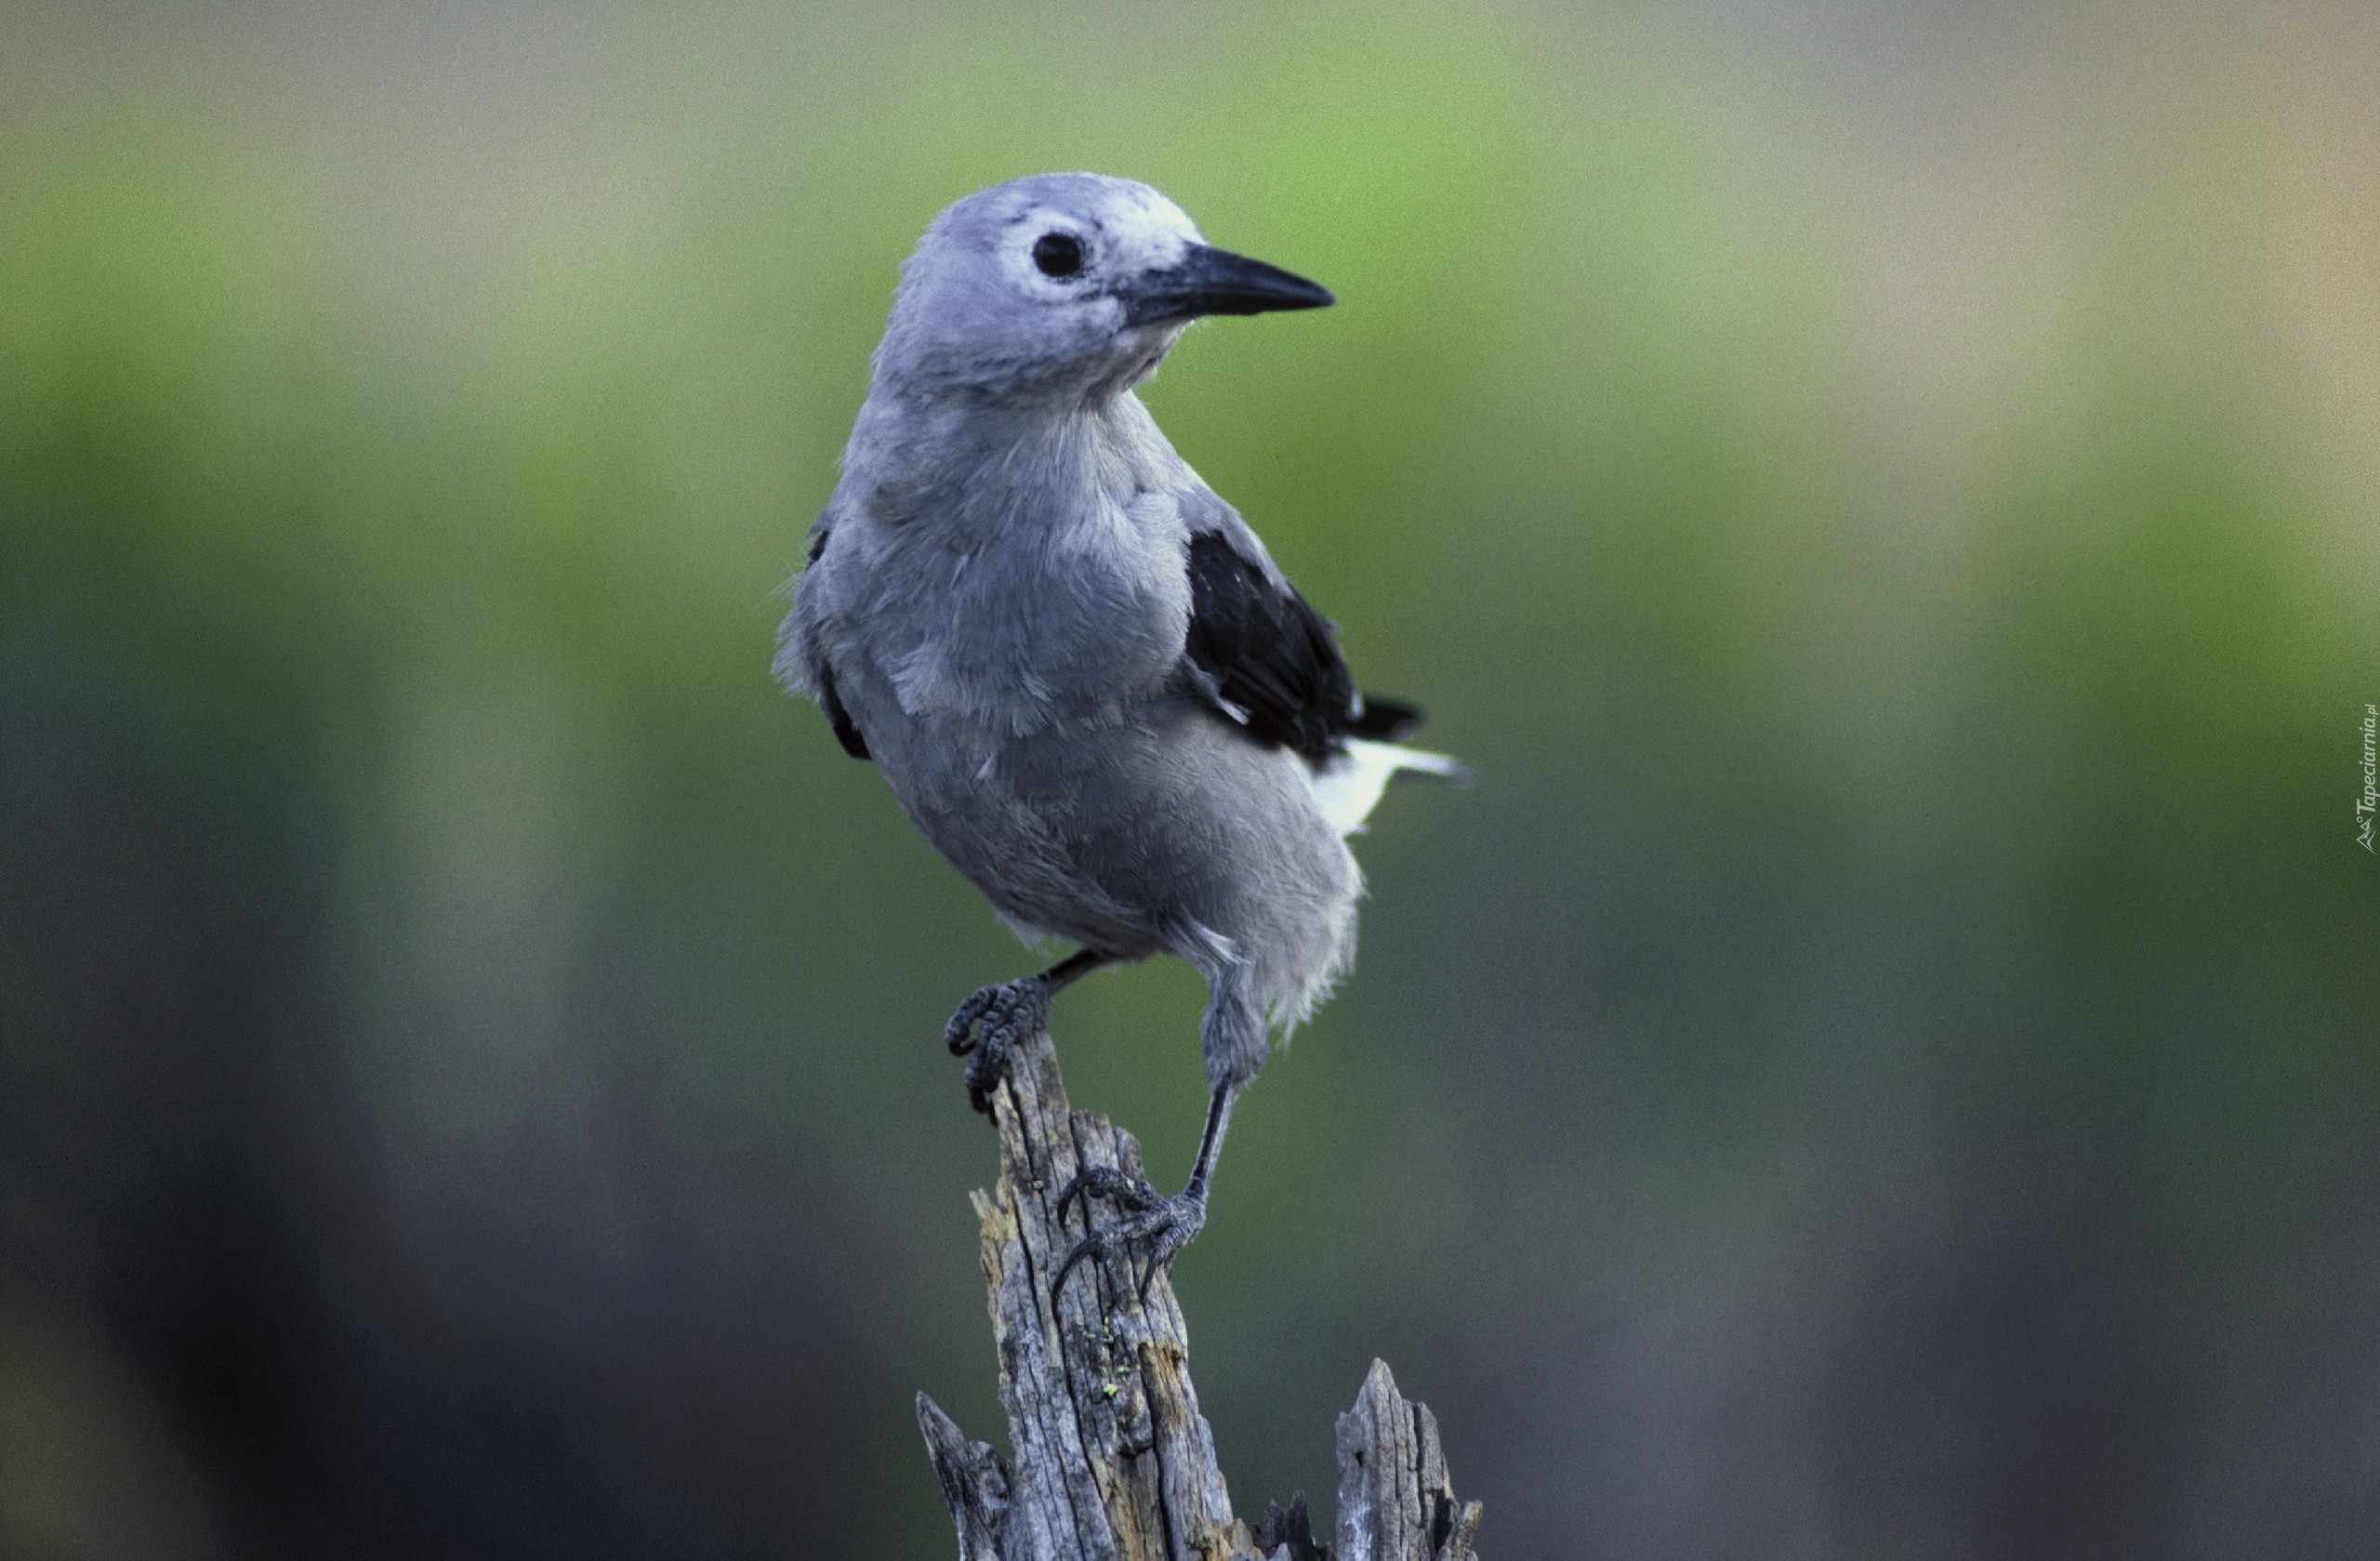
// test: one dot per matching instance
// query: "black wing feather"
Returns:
(1273, 659)
(846, 730)
(1385, 720)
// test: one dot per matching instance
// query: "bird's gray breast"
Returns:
(1070, 617)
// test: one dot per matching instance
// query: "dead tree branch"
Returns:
(1111, 1460)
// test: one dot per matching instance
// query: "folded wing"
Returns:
(1269, 662)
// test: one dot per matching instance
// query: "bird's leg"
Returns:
(1161, 1227)
(1008, 1011)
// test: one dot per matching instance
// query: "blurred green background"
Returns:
(1883, 1064)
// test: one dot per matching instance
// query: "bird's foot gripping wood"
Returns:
(992, 1023)
(1158, 1227)
(1110, 1459)
(1003, 1016)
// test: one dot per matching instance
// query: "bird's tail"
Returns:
(1349, 785)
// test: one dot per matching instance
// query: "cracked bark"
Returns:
(1112, 1461)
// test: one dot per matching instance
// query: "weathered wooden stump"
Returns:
(1112, 1461)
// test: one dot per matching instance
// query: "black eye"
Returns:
(1058, 254)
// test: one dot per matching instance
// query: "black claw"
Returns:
(958, 1034)
(1067, 1194)
(1117, 1186)
(988, 1023)
(984, 1076)
(1081, 1249)
(960, 1031)
(1166, 1224)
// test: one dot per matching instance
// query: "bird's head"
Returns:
(1063, 287)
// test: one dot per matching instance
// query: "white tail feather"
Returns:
(1348, 787)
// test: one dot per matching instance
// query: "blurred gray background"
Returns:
(1883, 1064)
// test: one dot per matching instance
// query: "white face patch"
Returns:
(1149, 232)
(1131, 230)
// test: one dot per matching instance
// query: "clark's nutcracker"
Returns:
(1079, 670)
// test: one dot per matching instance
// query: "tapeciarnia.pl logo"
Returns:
(2366, 804)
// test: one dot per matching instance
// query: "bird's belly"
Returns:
(1016, 836)
(1157, 832)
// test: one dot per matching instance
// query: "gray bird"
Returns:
(1079, 670)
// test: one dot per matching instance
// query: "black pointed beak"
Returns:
(1217, 281)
